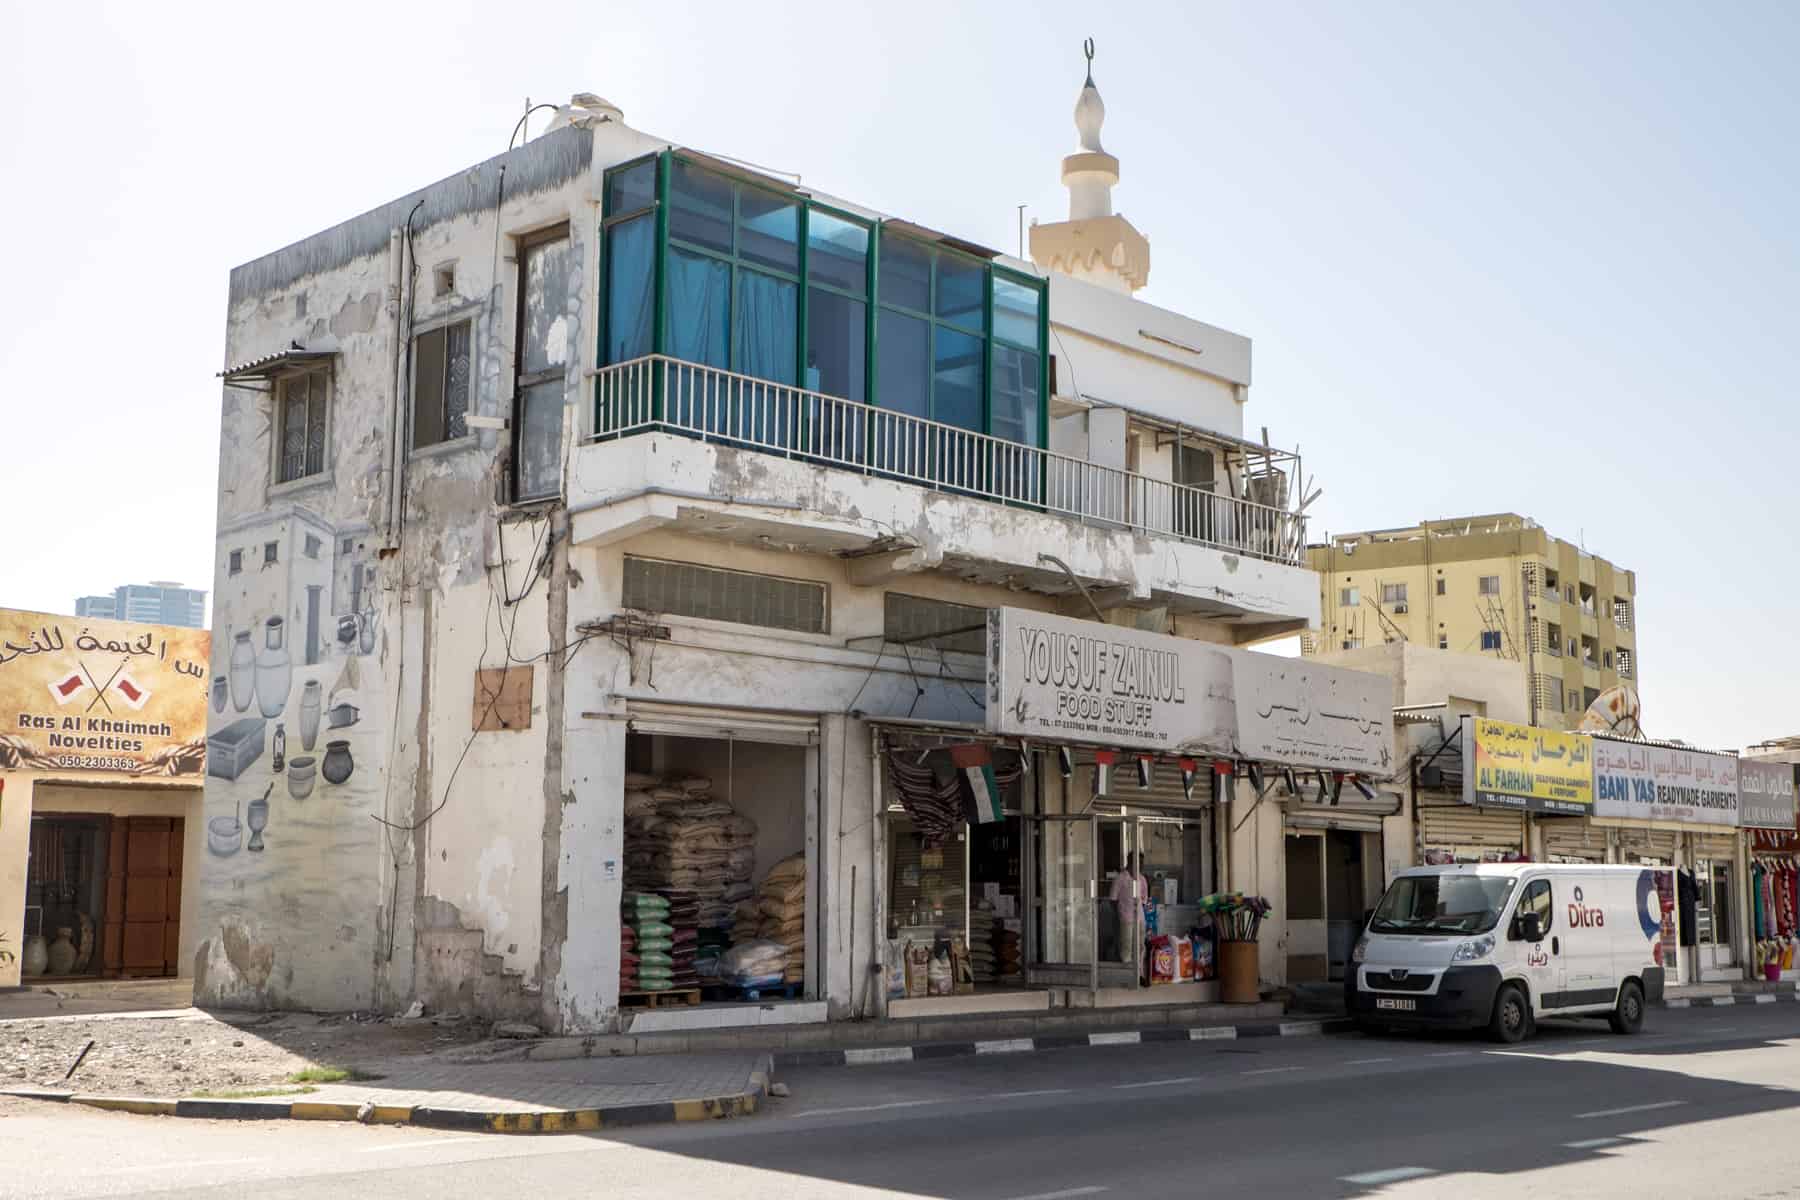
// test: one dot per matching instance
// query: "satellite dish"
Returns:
(1616, 710)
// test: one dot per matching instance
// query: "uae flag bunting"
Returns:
(68, 687)
(976, 763)
(1065, 762)
(1103, 765)
(1189, 769)
(1146, 768)
(1025, 756)
(131, 691)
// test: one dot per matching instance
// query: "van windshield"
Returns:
(1442, 904)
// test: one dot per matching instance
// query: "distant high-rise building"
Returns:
(159, 602)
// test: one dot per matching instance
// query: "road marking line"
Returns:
(1449, 1053)
(862, 1108)
(1064, 1194)
(1038, 1092)
(1391, 1175)
(1357, 1062)
(422, 1144)
(1631, 1108)
(877, 1054)
(1005, 1046)
(1119, 1087)
(1114, 1039)
(1271, 1070)
(1594, 1144)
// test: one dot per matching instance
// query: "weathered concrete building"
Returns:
(634, 522)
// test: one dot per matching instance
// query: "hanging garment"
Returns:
(1687, 900)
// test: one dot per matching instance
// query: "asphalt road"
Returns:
(1704, 1103)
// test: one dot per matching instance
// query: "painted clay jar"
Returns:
(34, 959)
(243, 670)
(309, 714)
(338, 764)
(62, 952)
(274, 669)
(302, 773)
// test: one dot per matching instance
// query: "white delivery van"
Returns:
(1499, 945)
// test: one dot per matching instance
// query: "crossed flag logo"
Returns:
(118, 686)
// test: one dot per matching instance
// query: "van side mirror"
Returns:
(1529, 927)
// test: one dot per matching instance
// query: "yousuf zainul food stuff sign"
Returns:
(101, 696)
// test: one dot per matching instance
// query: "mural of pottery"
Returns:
(257, 817)
(280, 748)
(221, 692)
(34, 959)
(338, 764)
(62, 952)
(302, 773)
(274, 669)
(243, 670)
(309, 714)
(342, 715)
(224, 836)
(367, 633)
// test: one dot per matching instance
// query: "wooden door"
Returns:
(143, 896)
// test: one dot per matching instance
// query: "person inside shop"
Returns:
(1129, 892)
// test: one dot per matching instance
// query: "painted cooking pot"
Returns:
(338, 764)
(302, 773)
(224, 835)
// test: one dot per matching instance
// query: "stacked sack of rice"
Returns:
(757, 963)
(652, 939)
(679, 838)
(684, 938)
(981, 944)
(628, 962)
(1007, 963)
(782, 903)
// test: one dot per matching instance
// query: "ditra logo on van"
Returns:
(1583, 917)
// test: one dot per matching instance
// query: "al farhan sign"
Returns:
(1519, 766)
(1063, 679)
(1664, 783)
(101, 696)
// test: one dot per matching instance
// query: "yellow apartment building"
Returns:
(1499, 585)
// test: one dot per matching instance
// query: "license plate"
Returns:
(1395, 1005)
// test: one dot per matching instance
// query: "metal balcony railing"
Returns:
(661, 393)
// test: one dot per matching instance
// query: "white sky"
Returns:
(1528, 257)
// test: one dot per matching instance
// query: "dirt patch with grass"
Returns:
(225, 1053)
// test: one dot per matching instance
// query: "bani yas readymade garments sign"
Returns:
(1518, 766)
(101, 696)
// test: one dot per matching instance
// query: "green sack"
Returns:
(654, 929)
(663, 944)
(654, 958)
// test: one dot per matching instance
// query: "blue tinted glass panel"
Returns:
(903, 363)
(699, 308)
(631, 188)
(836, 345)
(768, 317)
(837, 252)
(959, 291)
(630, 316)
(768, 230)
(905, 274)
(956, 379)
(700, 207)
(1015, 311)
(1016, 395)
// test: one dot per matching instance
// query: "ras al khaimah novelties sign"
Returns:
(101, 696)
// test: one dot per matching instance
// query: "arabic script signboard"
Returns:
(1303, 714)
(101, 696)
(1765, 794)
(1064, 679)
(1518, 766)
(1664, 783)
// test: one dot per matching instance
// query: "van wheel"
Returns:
(1512, 1015)
(1628, 1015)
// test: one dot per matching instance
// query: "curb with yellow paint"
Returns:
(547, 1120)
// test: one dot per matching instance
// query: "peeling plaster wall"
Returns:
(335, 910)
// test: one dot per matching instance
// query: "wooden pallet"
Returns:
(673, 998)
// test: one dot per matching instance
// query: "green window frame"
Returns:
(642, 190)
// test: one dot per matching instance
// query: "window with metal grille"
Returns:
(1621, 613)
(1393, 593)
(1490, 639)
(441, 385)
(716, 594)
(1490, 585)
(1624, 661)
(300, 423)
(937, 624)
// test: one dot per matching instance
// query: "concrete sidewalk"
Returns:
(509, 1097)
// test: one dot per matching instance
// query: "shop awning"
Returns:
(738, 724)
(270, 365)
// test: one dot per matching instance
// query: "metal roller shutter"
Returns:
(1165, 785)
(1574, 839)
(744, 725)
(1713, 845)
(1465, 825)
(1648, 843)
